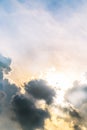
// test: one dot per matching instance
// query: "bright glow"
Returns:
(58, 79)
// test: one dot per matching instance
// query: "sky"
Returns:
(43, 40)
(44, 34)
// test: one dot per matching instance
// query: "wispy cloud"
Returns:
(42, 36)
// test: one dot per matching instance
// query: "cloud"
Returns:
(77, 95)
(4, 65)
(27, 114)
(51, 5)
(24, 106)
(40, 90)
(43, 36)
(72, 116)
(7, 90)
(21, 109)
(42, 40)
(76, 127)
(72, 112)
(5, 87)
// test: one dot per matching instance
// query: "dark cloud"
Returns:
(21, 108)
(73, 117)
(27, 114)
(4, 65)
(76, 127)
(72, 112)
(5, 62)
(40, 90)
(7, 90)
(2, 96)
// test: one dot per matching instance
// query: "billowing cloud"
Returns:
(7, 89)
(27, 114)
(20, 108)
(40, 90)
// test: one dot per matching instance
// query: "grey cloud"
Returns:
(77, 95)
(40, 90)
(7, 90)
(76, 127)
(20, 108)
(5, 87)
(27, 114)
(73, 117)
(72, 112)
(2, 96)
(4, 64)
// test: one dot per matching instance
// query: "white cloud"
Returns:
(36, 40)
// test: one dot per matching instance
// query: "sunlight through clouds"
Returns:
(45, 85)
